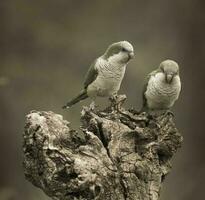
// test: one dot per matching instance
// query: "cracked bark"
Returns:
(116, 155)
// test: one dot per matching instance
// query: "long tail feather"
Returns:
(82, 95)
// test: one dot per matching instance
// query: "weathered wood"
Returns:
(117, 155)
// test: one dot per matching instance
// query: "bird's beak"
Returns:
(169, 78)
(131, 55)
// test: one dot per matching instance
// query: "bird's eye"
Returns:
(123, 49)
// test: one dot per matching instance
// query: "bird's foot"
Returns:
(113, 98)
(134, 112)
(92, 106)
(117, 101)
(157, 113)
(169, 112)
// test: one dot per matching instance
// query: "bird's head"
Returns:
(170, 69)
(119, 52)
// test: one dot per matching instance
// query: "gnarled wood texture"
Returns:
(117, 155)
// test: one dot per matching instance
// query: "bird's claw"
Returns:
(92, 106)
(113, 98)
(156, 113)
(117, 101)
(169, 112)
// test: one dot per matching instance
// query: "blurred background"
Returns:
(46, 48)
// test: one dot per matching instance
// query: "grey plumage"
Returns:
(162, 87)
(144, 100)
(106, 73)
(91, 75)
(89, 78)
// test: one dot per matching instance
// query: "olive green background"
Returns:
(47, 46)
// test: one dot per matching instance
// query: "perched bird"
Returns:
(105, 75)
(162, 88)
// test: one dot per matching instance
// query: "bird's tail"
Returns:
(82, 95)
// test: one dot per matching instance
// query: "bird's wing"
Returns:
(91, 74)
(144, 100)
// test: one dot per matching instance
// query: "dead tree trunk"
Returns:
(117, 155)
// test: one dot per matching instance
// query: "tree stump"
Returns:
(116, 154)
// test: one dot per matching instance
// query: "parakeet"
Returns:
(105, 75)
(163, 87)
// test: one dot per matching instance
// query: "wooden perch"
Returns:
(117, 154)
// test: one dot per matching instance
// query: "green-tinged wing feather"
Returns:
(144, 100)
(91, 75)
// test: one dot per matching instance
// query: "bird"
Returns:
(162, 87)
(104, 77)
